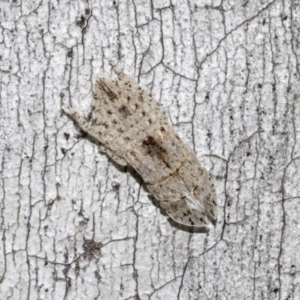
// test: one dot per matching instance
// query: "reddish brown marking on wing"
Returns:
(153, 148)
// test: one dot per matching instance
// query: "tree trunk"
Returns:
(74, 225)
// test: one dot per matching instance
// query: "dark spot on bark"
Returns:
(115, 122)
(128, 98)
(191, 221)
(115, 186)
(63, 151)
(109, 112)
(120, 130)
(67, 136)
(137, 106)
(70, 53)
(91, 249)
(143, 113)
(80, 21)
(140, 98)
(124, 111)
(87, 11)
(162, 129)
(150, 121)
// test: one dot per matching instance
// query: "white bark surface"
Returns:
(76, 226)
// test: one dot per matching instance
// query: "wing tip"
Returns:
(188, 217)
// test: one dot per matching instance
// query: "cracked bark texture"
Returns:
(75, 226)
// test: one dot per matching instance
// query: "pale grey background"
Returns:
(74, 226)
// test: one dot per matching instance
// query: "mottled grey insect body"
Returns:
(134, 129)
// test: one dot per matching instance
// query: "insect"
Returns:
(134, 129)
